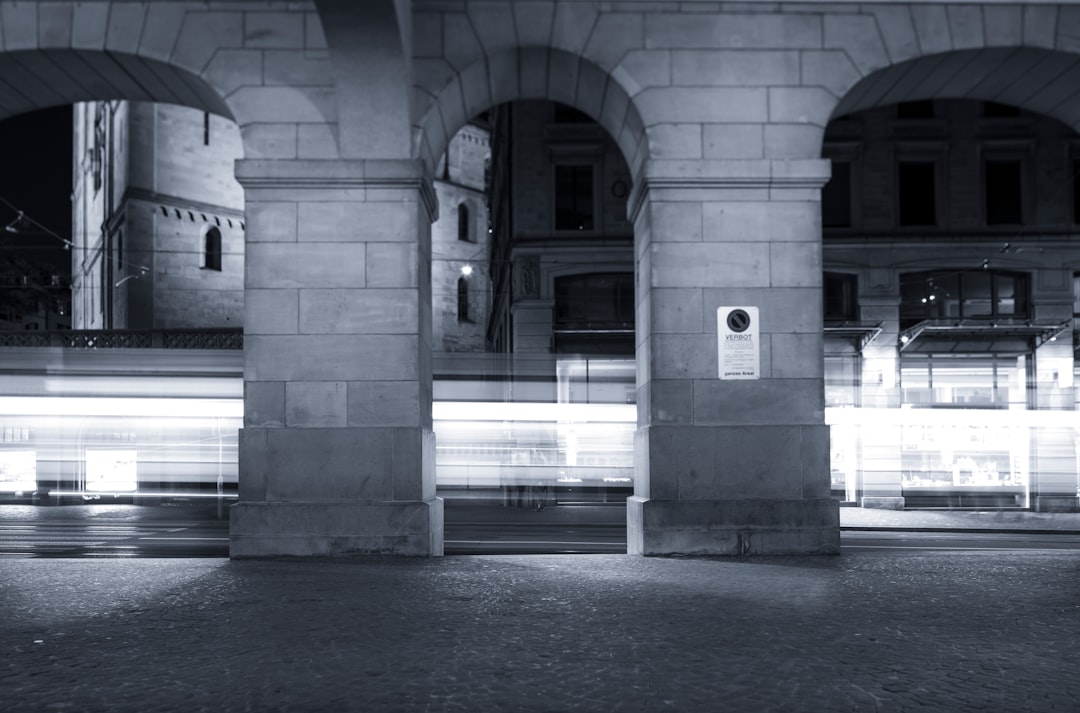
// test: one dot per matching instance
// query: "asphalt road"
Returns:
(132, 531)
(117, 538)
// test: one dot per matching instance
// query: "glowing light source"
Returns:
(466, 270)
(524, 411)
(106, 406)
(111, 470)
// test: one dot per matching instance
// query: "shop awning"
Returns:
(858, 334)
(980, 335)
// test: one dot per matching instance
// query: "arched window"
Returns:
(211, 254)
(463, 232)
(463, 300)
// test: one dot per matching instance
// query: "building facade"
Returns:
(34, 296)
(950, 253)
(158, 224)
(563, 247)
(157, 218)
(461, 244)
(719, 112)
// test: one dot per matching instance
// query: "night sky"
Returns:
(35, 152)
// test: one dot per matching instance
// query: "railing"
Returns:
(127, 339)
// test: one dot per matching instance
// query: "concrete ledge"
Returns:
(325, 529)
(1057, 503)
(732, 527)
(874, 502)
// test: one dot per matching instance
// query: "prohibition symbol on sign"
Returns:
(739, 347)
(738, 320)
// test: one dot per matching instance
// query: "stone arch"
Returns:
(885, 54)
(526, 73)
(1040, 80)
(208, 56)
(39, 79)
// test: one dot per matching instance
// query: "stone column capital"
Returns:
(323, 174)
(763, 175)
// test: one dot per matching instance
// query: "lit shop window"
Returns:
(842, 379)
(967, 381)
(111, 471)
(18, 471)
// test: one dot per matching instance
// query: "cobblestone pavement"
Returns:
(869, 631)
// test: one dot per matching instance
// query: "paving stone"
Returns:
(956, 631)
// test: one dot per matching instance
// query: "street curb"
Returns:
(977, 530)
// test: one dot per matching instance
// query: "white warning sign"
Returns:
(740, 344)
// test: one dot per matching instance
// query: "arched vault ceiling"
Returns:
(1043, 81)
(445, 100)
(38, 79)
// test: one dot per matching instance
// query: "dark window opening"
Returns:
(594, 314)
(206, 128)
(464, 234)
(916, 193)
(840, 297)
(595, 302)
(97, 155)
(569, 115)
(463, 300)
(836, 197)
(923, 109)
(212, 250)
(1076, 191)
(1004, 204)
(996, 109)
(574, 197)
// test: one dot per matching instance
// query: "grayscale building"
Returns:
(728, 120)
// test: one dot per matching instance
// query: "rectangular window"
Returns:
(951, 380)
(574, 197)
(836, 197)
(961, 294)
(916, 191)
(839, 297)
(1009, 295)
(595, 302)
(977, 295)
(842, 380)
(1003, 192)
(211, 257)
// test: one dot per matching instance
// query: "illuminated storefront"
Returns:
(119, 448)
(532, 430)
